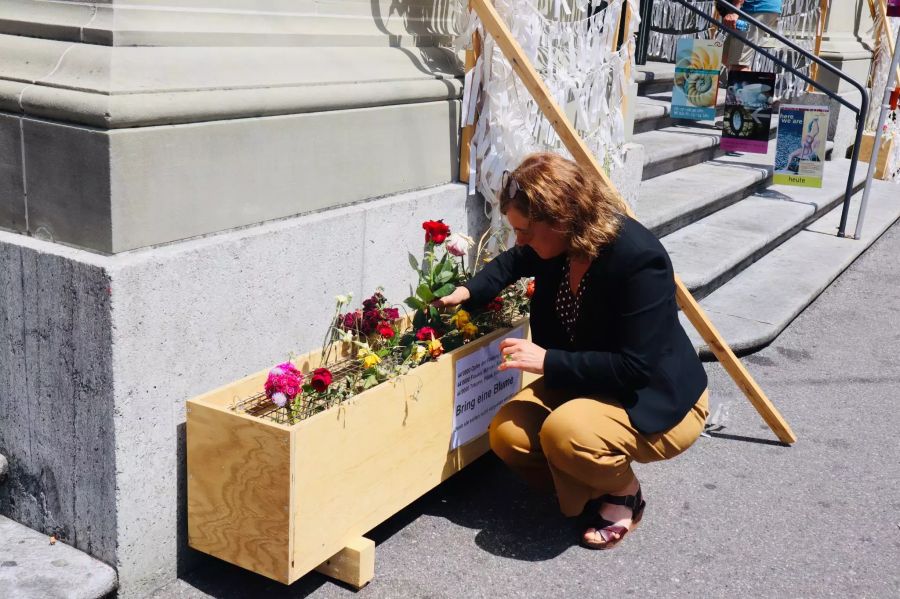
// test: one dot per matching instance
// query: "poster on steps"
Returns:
(748, 112)
(893, 8)
(696, 85)
(800, 151)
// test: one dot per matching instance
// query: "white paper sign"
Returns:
(481, 389)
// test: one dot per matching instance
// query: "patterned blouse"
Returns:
(568, 305)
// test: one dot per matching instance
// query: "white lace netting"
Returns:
(570, 43)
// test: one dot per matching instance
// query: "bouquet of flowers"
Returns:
(374, 343)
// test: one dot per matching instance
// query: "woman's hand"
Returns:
(522, 354)
(458, 296)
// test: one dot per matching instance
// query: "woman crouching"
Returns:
(621, 380)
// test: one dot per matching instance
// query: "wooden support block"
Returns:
(354, 564)
(884, 152)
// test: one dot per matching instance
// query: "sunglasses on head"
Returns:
(509, 183)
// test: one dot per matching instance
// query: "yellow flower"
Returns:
(461, 318)
(370, 360)
(469, 331)
(418, 353)
(435, 348)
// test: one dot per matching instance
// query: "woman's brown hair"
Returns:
(549, 188)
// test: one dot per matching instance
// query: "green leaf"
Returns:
(444, 276)
(425, 293)
(444, 290)
(413, 262)
(432, 311)
(414, 303)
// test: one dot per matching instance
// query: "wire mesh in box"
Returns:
(343, 373)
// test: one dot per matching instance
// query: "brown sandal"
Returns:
(613, 534)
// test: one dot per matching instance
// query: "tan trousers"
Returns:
(582, 446)
(737, 52)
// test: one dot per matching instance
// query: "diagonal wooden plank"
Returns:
(495, 26)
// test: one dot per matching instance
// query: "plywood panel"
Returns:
(239, 489)
(359, 464)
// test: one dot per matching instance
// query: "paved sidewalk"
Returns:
(739, 515)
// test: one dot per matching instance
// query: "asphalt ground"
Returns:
(737, 515)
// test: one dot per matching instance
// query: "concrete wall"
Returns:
(57, 394)
(134, 124)
(122, 189)
(105, 351)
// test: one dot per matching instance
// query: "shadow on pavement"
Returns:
(512, 520)
(731, 437)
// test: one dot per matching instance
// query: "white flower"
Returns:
(343, 299)
(418, 352)
(347, 336)
(280, 399)
(459, 244)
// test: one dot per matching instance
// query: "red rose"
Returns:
(435, 231)
(529, 289)
(495, 304)
(321, 378)
(385, 330)
(426, 334)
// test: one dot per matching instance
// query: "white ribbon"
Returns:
(573, 53)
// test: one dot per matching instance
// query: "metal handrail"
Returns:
(860, 111)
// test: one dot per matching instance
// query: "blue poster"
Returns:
(697, 64)
(800, 151)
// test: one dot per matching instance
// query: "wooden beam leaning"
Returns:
(626, 16)
(468, 131)
(495, 26)
(820, 31)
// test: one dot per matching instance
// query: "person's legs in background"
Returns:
(736, 55)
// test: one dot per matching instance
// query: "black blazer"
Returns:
(629, 344)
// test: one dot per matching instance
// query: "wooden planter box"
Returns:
(865, 154)
(283, 500)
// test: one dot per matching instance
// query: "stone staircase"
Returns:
(754, 253)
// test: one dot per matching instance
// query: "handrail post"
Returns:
(876, 146)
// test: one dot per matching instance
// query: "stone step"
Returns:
(677, 147)
(32, 568)
(713, 250)
(652, 112)
(677, 199)
(654, 77)
(752, 309)
(689, 143)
